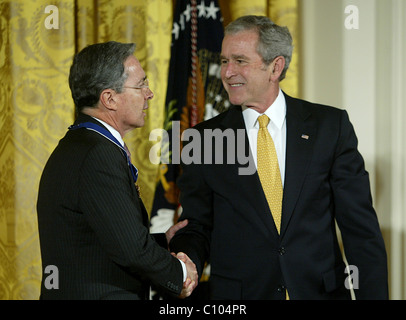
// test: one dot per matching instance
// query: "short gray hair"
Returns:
(96, 68)
(274, 40)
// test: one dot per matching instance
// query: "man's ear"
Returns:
(108, 98)
(277, 66)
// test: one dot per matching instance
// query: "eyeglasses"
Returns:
(145, 85)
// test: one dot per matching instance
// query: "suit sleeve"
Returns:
(112, 208)
(196, 200)
(160, 238)
(362, 239)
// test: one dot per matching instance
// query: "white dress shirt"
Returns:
(276, 127)
(113, 131)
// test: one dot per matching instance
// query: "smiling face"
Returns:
(247, 80)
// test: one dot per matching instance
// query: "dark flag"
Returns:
(194, 93)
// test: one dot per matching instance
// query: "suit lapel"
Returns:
(145, 218)
(301, 134)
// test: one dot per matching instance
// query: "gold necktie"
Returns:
(268, 170)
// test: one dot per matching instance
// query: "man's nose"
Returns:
(149, 95)
(228, 70)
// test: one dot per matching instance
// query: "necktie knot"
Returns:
(263, 121)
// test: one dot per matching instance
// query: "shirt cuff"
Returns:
(184, 270)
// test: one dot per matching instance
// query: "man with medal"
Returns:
(93, 226)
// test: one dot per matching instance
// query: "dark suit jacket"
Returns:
(93, 226)
(231, 226)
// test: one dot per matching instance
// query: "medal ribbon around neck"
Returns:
(107, 134)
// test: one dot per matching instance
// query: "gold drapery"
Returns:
(36, 105)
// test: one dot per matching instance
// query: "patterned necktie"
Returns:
(127, 151)
(133, 169)
(268, 170)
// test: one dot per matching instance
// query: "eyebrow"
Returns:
(235, 57)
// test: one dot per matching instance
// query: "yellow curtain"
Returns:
(286, 13)
(35, 110)
(37, 43)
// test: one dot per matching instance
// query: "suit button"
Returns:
(281, 288)
(282, 251)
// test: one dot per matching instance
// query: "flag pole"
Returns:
(194, 117)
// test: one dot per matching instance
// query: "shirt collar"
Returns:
(113, 131)
(276, 112)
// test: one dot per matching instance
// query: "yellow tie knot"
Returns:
(263, 121)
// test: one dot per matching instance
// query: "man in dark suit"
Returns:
(93, 226)
(251, 254)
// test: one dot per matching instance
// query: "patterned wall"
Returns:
(34, 110)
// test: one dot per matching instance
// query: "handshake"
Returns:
(192, 276)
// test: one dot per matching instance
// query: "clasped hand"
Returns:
(192, 276)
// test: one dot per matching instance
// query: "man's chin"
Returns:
(235, 101)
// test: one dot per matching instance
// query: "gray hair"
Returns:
(96, 68)
(274, 40)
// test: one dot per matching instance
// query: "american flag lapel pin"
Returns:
(305, 136)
